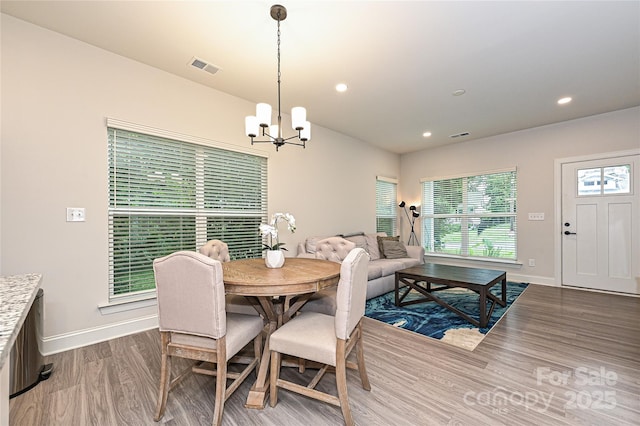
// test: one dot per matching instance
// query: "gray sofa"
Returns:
(382, 270)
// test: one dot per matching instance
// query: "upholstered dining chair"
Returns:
(327, 339)
(334, 249)
(194, 324)
(219, 250)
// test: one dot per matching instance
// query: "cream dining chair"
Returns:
(219, 250)
(194, 324)
(327, 339)
(335, 249)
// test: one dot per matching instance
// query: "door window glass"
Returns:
(617, 179)
(604, 180)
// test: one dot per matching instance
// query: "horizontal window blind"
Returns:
(386, 208)
(167, 195)
(471, 216)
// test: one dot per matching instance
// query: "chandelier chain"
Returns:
(279, 74)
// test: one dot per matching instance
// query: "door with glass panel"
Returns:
(600, 222)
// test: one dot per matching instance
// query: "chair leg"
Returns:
(165, 375)
(221, 390)
(341, 382)
(275, 375)
(221, 380)
(360, 356)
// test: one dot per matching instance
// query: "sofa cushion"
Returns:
(372, 244)
(374, 271)
(394, 249)
(389, 266)
(408, 262)
(359, 240)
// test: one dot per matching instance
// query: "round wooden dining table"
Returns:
(277, 294)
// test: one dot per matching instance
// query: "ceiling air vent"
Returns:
(203, 65)
(459, 135)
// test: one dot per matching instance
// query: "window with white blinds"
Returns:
(386, 205)
(167, 195)
(471, 216)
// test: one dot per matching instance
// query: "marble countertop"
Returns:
(17, 293)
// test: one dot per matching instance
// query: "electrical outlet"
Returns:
(532, 263)
(75, 214)
(536, 216)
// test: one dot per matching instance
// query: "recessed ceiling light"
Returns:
(459, 92)
(563, 101)
(426, 134)
(341, 87)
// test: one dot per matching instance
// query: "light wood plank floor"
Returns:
(558, 357)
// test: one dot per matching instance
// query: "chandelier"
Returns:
(262, 119)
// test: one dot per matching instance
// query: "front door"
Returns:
(600, 224)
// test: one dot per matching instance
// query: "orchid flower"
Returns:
(271, 230)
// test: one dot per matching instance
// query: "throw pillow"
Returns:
(394, 249)
(380, 246)
(372, 244)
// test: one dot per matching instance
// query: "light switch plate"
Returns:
(536, 216)
(75, 214)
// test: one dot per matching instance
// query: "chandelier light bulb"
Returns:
(263, 113)
(251, 126)
(298, 117)
(305, 133)
(273, 131)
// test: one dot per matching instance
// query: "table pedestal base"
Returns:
(257, 398)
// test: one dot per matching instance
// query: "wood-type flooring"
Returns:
(558, 357)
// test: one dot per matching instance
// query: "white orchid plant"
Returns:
(271, 230)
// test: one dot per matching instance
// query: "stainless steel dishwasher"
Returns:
(27, 368)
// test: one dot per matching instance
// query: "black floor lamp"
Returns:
(413, 238)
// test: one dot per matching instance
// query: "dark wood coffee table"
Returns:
(421, 278)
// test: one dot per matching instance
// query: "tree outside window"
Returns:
(471, 216)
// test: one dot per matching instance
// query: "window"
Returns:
(386, 207)
(604, 180)
(167, 195)
(471, 216)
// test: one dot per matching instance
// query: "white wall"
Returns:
(533, 152)
(56, 94)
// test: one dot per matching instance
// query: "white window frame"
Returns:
(387, 202)
(255, 211)
(464, 215)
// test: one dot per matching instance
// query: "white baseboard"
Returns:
(532, 279)
(89, 336)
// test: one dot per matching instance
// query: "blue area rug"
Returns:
(433, 320)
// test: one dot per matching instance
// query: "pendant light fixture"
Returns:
(262, 119)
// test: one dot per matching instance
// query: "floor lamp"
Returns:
(413, 238)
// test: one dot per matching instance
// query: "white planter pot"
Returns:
(274, 259)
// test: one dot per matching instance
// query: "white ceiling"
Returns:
(402, 60)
